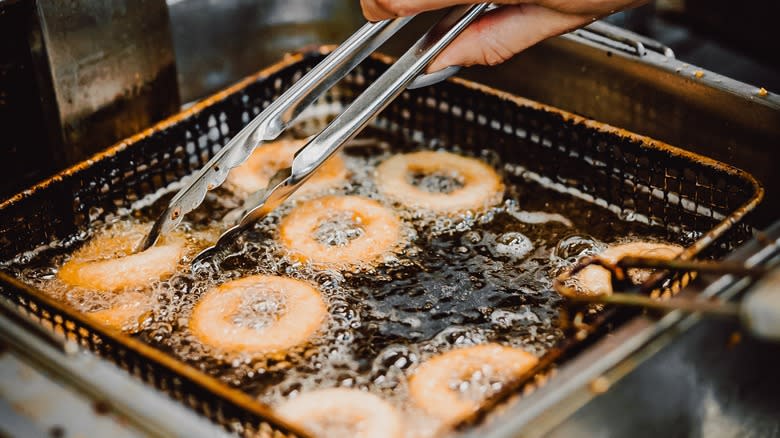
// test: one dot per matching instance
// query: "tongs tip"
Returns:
(150, 239)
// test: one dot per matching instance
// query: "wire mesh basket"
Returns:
(635, 176)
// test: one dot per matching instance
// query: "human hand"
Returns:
(504, 32)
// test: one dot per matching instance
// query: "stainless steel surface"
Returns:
(114, 390)
(219, 42)
(107, 71)
(273, 121)
(76, 77)
(703, 384)
(349, 123)
(33, 405)
(21, 113)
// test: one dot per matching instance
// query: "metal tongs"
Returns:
(282, 112)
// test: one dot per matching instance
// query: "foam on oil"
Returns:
(455, 281)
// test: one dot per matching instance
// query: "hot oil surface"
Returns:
(455, 281)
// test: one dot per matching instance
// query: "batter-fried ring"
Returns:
(107, 263)
(258, 314)
(478, 186)
(127, 313)
(341, 412)
(310, 232)
(596, 280)
(266, 160)
(453, 385)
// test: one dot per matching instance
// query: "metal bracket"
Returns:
(621, 39)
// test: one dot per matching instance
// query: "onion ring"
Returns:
(596, 280)
(453, 385)
(341, 412)
(255, 173)
(107, 263)
(127, 313)
(481, 185)
(290, 311)
(379, 231)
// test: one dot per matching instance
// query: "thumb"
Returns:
(500, 34)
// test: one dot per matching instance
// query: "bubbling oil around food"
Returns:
(456, 281)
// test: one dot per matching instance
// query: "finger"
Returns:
(498, 35)
(591, 7)
(375, 10)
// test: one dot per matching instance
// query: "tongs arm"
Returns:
(274, 120)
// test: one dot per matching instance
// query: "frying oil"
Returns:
(455, 281)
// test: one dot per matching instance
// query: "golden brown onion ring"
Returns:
(127, 313)
(481, 185)
(341, 412)
(596, 280)
(380, 231)
(444, 386)
(294, 312)
(107, 263)
(266, 160)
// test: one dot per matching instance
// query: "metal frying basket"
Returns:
(689, 195)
